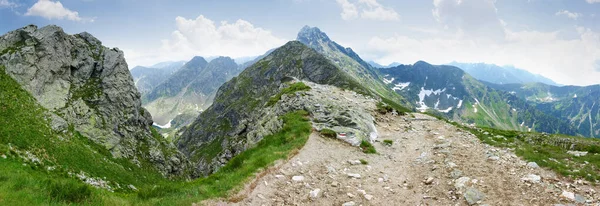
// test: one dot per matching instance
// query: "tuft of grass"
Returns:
(328, 133)
(364, 162)
(388, 142)
(69, 191)
(296, 87)
(399, 108)
(157, 191)
(367, 147)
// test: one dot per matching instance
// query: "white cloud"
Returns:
(202, 37)
(7, 4)
(567, 61)
(593, 1)
(568, 14)
(349, 10)
(367, 9)
(54, 10)
(573, 61)
(470, 17)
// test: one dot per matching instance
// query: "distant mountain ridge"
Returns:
(450, 92)
(579, 105)
(502, 74)
(146, 78)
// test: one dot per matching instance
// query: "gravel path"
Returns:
(430, 163)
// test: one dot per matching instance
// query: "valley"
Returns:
(309, 122)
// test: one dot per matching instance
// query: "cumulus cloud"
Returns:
(367, 9)
(54, 10)
(567, 61)
(573, 61)
(203, 37)
(568, 14)
(593, 1)
(470, 17)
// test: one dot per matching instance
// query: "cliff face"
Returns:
(87, 87)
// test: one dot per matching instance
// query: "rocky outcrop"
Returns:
(88, 89)
(239, 116)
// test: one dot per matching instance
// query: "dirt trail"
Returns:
(430, 163)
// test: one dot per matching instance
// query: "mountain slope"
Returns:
(449, 91)
(501, 75)
(88, 92)
(241, 115)
(146, 78)
(349, 62)
(578, 105)
(190, 90)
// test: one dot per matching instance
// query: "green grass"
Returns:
(367, 147)
(296, 87)
(328, 133)
(549, 151)
(26, 128)
(364, 162)
(387, 105)
(388, 142)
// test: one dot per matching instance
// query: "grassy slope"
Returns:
(25, 128)
(549, 151)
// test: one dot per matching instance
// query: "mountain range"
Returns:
(502, 74)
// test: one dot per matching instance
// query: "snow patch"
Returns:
(401, 86)
(166, 126)
(459, 104)
(388, 81)
(575, 96)
(426, 92)
(445, 110)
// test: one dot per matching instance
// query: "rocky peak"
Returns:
(196, 62)
(87, 87)
(311, 34)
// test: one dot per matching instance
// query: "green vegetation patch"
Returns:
(328, 133)
(293, 88)
(549, 151)
(388, 142)
(364, 162)
(367, 147)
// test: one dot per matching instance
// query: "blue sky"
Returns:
(559, 39)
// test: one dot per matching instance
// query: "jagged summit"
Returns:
(309, 34)
(87, 88)
(196, 62)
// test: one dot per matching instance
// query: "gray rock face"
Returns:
(87, 86)
(235, 122)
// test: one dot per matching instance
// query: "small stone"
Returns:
(461, 182)
(568, 195)
(315, 193)
(531, 178)
(3, 156)
(279, 176)
(368, 197)
(349, 204)
(298, 178)
(354, 162)
(494, 158)
(132, 187)
(579, 199)
(352, 175)
(428, 181)
(335, 184)
(350, 195)
(380, 180)
(472, 196)
(532, 165)
(362, 192)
